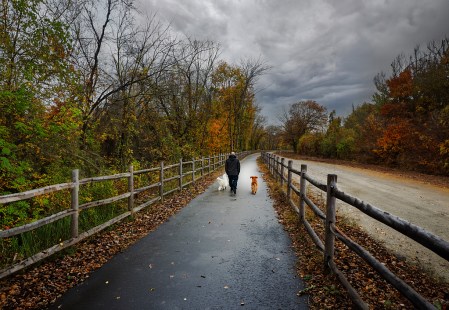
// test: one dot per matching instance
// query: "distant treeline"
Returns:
(405, 125)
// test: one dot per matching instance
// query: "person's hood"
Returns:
(232, 156)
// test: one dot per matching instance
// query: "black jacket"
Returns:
(232, 165)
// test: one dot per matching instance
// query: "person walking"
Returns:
(232, 168)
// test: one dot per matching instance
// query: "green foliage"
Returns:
(309, 144)
(358, 117)
(331, 290)
(346, 146)
(63, 109)
(336, 142)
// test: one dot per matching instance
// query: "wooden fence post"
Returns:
(193, 170)
(289, 184)
(329, 238)
(131, 190)
(302, 190)
(202, 166)
(208, 162)
(161, 181)
(75, 204)
(277, 168)
(269, 162)
(180, 174)
(282, 172)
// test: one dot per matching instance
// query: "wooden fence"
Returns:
(213, 163)
(436, 244)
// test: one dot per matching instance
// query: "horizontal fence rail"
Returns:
(278, 168)
(214, 162)
(35, 192)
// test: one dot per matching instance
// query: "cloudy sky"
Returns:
(322, 50)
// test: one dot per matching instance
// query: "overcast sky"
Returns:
(323, 50)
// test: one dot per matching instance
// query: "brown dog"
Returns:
(253, 185)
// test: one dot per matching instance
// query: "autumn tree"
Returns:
(38, 120)
(408, 113)
(233, 102)
(253, 69)
(272, 139)
(34, 81)
(258, 130)
(184, 92)
(300, 118)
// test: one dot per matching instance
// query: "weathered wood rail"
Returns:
(206, 165)
(278, 169)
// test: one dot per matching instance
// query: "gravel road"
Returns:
(417, 202)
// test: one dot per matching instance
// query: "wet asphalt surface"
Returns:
(220, 251)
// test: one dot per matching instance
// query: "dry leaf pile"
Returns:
(325, 291)
(38, 286)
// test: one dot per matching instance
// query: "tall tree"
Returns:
(35, 79)
(300, 118)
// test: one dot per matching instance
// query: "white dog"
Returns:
(223, 182)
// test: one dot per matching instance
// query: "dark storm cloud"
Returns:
(323, 50)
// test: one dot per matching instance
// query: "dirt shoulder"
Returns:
(324, 291)
(409, 198)
(435, 180)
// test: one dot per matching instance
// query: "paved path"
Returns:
(417, 202)
(220, 251)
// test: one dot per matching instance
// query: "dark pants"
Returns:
(233, 181)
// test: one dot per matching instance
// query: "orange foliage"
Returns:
(394, 141)
(399, 109)
(401, 86)
(408, 145)
(216, 137)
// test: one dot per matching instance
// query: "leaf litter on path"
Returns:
(325, 291)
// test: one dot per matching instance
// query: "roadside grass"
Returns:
(324, 290)
(22, 246)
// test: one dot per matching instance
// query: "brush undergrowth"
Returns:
(22, 246)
